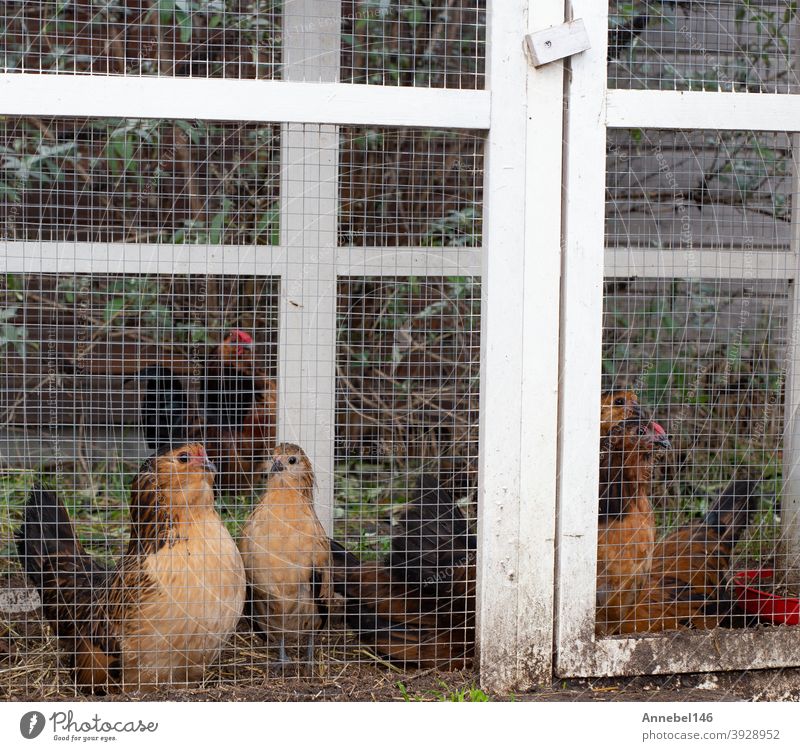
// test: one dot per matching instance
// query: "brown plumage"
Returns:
(419, 609)
(686, 587)
(164, 613)
(237, 412)
(626, 526)
(616, 406)
(239, 406)
(287, 555)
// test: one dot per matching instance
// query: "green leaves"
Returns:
(9, 333)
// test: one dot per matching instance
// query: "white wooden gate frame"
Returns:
(591, 111)
(542, 274)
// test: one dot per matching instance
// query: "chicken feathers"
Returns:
(686, 586)
(420, 608)
(286, 554)
(164, 613)
(626, 527)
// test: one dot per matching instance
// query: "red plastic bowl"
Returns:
(765, 605)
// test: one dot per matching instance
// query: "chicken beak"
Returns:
(210, 466)
(277, 466)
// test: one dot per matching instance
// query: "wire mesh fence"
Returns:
(392, 43)
(714, 45)
(698, 324)
(101, 369)
(161, 527)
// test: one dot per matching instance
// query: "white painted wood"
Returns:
(684, 651)
(628, 108)
(308, 217)
(790, 495)
(519, 353)
(21, 257)
(557, 42)
(408, 261)
(581, 339)
(241, 100)
(699, 263)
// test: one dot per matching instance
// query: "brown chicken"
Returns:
(238, 405)
(286, 555)
(174, 598)
(626, 527)
(686, 587)
(419, 609)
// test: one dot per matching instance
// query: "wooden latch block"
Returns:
(557, 42)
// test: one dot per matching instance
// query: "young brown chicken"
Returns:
(626, 526)
(174, 598)
(286, 554)
(686, 586)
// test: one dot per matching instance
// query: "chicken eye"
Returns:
(292, 460)
(183, 458)
(619, 401)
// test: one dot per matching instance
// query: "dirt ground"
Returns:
(366, 684)
(248, 672)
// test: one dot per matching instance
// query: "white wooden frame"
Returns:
(521, 274)
(519, 352)
(578, 651)
(542, 296)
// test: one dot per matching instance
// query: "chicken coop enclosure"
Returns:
(476, 348)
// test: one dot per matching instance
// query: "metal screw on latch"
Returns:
(548, 43)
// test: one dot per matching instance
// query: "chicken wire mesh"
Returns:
(705, 45)
(437, 43)
(102, 368)
(698, 330)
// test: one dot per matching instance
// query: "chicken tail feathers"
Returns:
(731, 514)
(393, 620)
(434, 543)
(68, 579)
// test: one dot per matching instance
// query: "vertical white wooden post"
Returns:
(581, 334)
(519, 355)
(309, 168)
(790, 492)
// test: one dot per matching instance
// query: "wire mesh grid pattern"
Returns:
(206, 39)
(714, 45)
(101, 369)
(149, 181)
(699, 335)
(399, 42)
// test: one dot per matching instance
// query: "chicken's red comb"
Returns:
(657, 429)
(241, 336)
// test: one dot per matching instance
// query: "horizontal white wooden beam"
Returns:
(700, 263)
(241, 100)
(408, 262)
(702, 110)
(17, 257)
